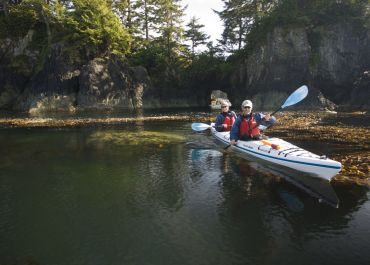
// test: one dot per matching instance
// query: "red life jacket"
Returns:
(248, 128)
(229, 121)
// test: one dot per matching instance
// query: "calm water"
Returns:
(95, 196)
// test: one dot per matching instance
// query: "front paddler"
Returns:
(246, 125)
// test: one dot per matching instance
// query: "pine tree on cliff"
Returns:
(170, 30)
(99, 29)
(195, 35)
(146, 16)
(238, 17)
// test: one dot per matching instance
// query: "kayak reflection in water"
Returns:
(246, 125)
(225, 119)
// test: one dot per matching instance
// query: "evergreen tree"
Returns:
(99, 29)
(238, 17)
(170, 30)
(128, 12)
(195, 35)
(125, 11)
(146, 16)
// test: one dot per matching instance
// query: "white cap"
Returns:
(247, 103)
(225, 102)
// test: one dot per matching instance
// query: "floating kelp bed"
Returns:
(136, 138)
(352, 144)
(355, 168)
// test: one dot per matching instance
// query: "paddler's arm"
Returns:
(266, 120)
(234, 133)
(219, 122)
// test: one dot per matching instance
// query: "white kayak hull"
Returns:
(282, 153)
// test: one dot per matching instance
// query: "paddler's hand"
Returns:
(224, 126)
(233, 142)
(267, 117)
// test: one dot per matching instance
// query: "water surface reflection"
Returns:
(264, 217)
(70, 197)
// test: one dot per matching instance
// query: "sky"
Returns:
(202, 9)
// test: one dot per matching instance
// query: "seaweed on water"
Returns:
(135, 138)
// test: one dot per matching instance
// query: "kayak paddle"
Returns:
(294, 98)
(198, 127)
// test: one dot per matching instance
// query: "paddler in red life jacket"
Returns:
(246, 125)
(225, 119)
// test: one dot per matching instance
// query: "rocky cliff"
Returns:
(45, 80)
(333, 60)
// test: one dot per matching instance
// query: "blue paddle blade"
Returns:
(262, 127)
(200, 126)
(296, 96)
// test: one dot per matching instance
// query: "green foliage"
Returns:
(238, 17)
(98, 29)
(90, 26)
(205, 73)
(146, 16)
(21, 19)
(153, 57)
(204, 65)
(194, 34)
(29, 16)
(170, 28)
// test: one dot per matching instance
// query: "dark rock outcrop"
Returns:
(33, 82)
(360, 94)
(109, 82)
(15, 68)
(53, 87)
(329, 59)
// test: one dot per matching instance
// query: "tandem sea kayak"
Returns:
(282, 153)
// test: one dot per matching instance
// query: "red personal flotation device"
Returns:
(248, 128)
(229, 121)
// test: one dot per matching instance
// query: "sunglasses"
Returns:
(224, 106)
(246, 107)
